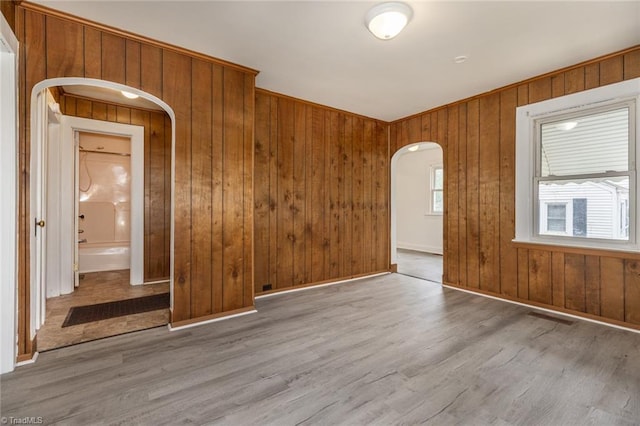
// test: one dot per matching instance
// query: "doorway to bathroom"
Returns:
(107, 184)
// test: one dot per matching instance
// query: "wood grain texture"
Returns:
(327, 191)
(220, 129)
(8, 10)
(587, 282)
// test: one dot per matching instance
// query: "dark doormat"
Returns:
(101, 311)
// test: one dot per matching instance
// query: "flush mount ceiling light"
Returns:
(386, 20)
(414, 148)
(129, 95)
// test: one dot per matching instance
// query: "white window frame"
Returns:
(433, 189)
(528, 119)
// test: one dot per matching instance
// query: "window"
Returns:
(576, 169)
(437, 186)
(557, 217)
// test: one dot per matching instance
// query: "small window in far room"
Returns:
(437, 187)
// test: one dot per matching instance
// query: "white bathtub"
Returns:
(95, 257)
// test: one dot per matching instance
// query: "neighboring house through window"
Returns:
(437, 187)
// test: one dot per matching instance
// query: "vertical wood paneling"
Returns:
(151, 82)
(214, 155)
(632, 65)
(92, 53)
(201, 189)
(132, 64)
(574, 80)
(632, 291)
(176, 82)
(462, 194)
(591, 76)
(319, 228)
(298, 204)
(540, 276)
(574, 291)
(523, 273)
(248, 134)
(489, 193)
(217, 163)
(473, 216)
(8, 9)
(308, 198)
(114, 57)
(612, 288)
(367, 197)
(347, 199)
(382, 197)
(557, 278)
(451, 195)
(262, 201)
(611, 70)
(286, 111)
(335, 161)
(331, 218)
(233, 279)
(508, 256)
(357, 224)
(67, 60)
(274, 200)
(592, 285)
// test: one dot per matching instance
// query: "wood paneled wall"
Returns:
(322, 194)
(478, 139)
(8, 9)
(213, 102)
(157, 173)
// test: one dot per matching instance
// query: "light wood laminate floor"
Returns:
(98, 287)
(419, 264)
(385, 350)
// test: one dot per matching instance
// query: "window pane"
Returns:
(438, 178)
(556, 217)
(437, 201)
(596, 208)
(594, 143)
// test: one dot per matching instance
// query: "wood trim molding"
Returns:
(207, 318)
(514, 85)
(320, 283)
(132, 36)
(587, 251)
(315, 105)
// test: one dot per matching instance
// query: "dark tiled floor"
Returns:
(420, 265)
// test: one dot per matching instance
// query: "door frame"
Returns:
(37, 288)
(9, 196)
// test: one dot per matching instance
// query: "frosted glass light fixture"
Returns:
(414, 148)
(386, 20)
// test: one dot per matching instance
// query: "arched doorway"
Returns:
(417, 210)
(46, 123)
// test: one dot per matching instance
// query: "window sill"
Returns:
(625, 253)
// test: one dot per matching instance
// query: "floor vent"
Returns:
(550, 318)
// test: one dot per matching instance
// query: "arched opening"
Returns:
(417, 210)
(56, 192)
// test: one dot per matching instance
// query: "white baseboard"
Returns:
(419, 247)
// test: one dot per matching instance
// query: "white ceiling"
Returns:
(322, 52)
(109, 95)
